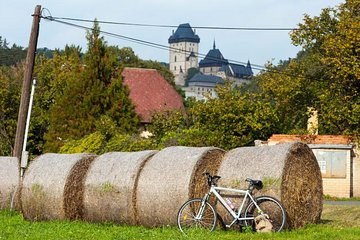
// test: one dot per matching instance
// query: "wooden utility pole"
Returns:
(25, 90)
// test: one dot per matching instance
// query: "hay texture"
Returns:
(289, 172)
(9, 181)
(170, 178)
(53, 186)
(111, 184)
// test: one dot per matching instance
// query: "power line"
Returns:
(49, 17)
(152, 44)
(163, 47)
(175, 26)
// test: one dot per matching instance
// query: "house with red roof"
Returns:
(150, 92)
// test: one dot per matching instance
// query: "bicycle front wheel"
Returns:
(270, 207)
(193, 216)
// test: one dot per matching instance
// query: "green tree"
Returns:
(10, 82)
(54, 76)
(164, 122)
(234, 119)
(10, 56)
(334, 37)
(289, 93)
(98, 143)
(94, 91)
(325, 75)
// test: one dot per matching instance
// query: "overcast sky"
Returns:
(256, 46)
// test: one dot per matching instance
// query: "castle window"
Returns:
(175, 68)
(175, 59)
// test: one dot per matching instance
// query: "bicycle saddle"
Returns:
(257, 184)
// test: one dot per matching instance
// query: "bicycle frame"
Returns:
(246, 193)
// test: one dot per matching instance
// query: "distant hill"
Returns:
(10, 56)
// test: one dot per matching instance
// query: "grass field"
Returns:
(338, 222)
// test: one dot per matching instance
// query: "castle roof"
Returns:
(203, 78)
(150, 92)
(184, 33)
(213, 58)
(237, 70)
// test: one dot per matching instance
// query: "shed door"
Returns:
(332, 162)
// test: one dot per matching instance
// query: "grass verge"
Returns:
(338, 222)
(332, 198)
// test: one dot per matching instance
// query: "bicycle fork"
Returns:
(199, 215)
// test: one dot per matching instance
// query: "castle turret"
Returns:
(184, 48)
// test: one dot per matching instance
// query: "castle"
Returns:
(213, 68)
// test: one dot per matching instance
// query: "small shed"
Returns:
(336, 166)
(338, 159)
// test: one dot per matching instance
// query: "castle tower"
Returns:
(184, 48)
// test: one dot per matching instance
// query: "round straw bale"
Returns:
(171, 177)
(53, 186)
(110, 186)
(289, 172)
(9, 181)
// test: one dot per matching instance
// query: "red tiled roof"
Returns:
(150, 92)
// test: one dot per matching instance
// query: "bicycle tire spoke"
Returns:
(188, 213)
(271, 210)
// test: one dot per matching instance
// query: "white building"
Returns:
(202, 86)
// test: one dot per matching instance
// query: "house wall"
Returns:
(356, 172)
(210, 70)
(200, 91)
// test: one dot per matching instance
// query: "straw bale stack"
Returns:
(110, 186)
(9, 181)
(289, 172)
(53, 186)
(171, 177)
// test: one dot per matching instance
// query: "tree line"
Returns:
(81, 104)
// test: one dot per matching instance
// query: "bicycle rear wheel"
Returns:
(272, 208)
(188, 217)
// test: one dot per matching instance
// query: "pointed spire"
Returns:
(248, 68)
(248, 65)
(214, 46)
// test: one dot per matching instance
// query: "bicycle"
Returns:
(261, 214)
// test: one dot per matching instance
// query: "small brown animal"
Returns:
(263, 224)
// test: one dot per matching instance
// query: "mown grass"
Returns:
(332, 198)
(338, 222)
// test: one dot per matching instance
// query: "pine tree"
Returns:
(95, 93)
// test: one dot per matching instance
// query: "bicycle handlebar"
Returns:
(253, 184)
